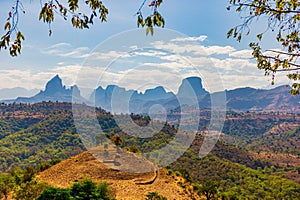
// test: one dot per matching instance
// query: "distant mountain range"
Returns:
(12, 93)
(119, 100)
(54, 91)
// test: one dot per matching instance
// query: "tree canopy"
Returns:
(283, 18)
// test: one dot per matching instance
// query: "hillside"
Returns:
(45, 132)
(283, 138)
(126, 186)
(33, 134)
(234, 180)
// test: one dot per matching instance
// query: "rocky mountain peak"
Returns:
(54, 85)
(191, 86)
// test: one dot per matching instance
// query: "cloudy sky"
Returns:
(193, 43)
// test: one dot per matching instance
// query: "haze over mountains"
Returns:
(13, 93)
(54, 91)
(119, 100)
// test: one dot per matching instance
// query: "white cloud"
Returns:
(107, 56)
(58, 45)
(275, 52)
(168, 67)
(144, 78)
(22, 78)
(66, 50)
(79, 52)
(218, 50)
(36, 79)
(163, 63)
(245, 53)
(194, 49)
(201, 38)
(148, 52)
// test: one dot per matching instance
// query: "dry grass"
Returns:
(123, 184)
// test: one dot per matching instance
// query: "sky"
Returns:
(193, 43)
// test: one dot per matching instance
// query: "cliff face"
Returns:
(191, 86)
(191, 92)
(54, 91)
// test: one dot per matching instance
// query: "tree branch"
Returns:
(281, 52)
(282, 70)
(268, 8)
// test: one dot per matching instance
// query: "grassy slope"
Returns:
(53, 136)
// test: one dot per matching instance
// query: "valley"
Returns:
(243, 162)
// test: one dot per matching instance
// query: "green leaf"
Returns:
(239, 37)
(140, 21)
(147, 30)
(7, 26)
(148, 21)
(259, 36)
(73, 5)
(42, 13)
(20, 36)
(229, 33)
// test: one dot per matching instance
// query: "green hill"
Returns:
(45, 132)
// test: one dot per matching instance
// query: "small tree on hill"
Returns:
(209, 189)
(55, 194)
(6, 185)
(155, 196)
(88, 190)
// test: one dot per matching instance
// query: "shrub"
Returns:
(155, 196)
(86, 190)
(133, 149)
(55, 194)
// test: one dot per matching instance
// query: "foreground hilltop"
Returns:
(126, 186)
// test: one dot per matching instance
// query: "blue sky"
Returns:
(201, 24)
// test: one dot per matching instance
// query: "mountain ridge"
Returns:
(117, 99)
(13, 93)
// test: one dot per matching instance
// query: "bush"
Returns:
(133, 149)
(86, 190)
(29, 190)
(55, 194)
(104, 191)
(6, 185)
(155, 196)
(169, 172)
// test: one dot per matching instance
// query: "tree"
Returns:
(6, 185)
(54, 194)
(104, 191)
(26, 186)
(88, 190)
(117, 140)
(132, 148)
(100, 138)
(29, 190)
(283, 17)
(185, 174)
(155, 196)
(209, 189)
(13, 37)
(23, 176)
